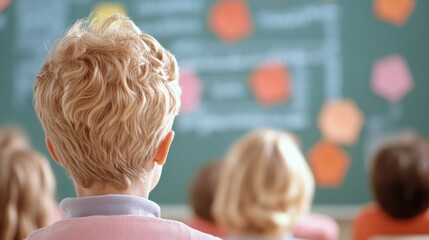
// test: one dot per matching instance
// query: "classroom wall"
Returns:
(343, 76)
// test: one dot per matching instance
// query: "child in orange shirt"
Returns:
(400, 184)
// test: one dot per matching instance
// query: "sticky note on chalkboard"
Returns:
(329, 164)
(192, 90)
(103, 10)
(341, 121)
(391, 78)
(271, 83)
(4, 4)
(395, 12)
(231, 20)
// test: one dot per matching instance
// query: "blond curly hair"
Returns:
(265, 185)
(107, 96)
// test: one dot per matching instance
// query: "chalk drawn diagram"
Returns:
(222, 65)
(34, 35)
(226, 105)
(379, 130)
(391, 80)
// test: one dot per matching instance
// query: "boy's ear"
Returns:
(51, 150)
(163, 149)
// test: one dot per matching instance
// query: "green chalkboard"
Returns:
(328, 47)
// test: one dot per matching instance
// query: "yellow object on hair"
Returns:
(105, 10)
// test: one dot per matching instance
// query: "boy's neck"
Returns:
(96, 190)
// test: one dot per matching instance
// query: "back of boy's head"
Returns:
(27, 188)
(107, 96)
(400, 178)
(265, 185)
(203, 190)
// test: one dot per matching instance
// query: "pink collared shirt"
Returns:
(115, 217)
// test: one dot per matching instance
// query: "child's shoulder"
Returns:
(119, 227)
(190, 232)
(369, 211)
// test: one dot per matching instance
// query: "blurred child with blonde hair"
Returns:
(107, 97)
(27, 187)
(12, 138)
(265, 187)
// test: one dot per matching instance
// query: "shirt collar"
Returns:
(108, 205)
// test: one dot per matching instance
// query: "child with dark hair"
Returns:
(202, 196)
(400, 185)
